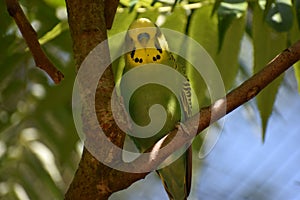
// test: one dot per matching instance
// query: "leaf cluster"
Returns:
(37, 142)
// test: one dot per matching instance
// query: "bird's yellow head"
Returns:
(142, 31)
(145, 43)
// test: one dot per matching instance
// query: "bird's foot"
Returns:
(181, 127)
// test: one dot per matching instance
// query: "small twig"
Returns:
(30, 36)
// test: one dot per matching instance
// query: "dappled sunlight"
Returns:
(20, 192)
(38, 90)
(47, 159)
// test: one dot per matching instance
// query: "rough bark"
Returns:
(94, 180)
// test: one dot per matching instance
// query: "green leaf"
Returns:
(42, 13)
(294, 37)
(227, 13)
(297, 9)
(10, 60)
(54, 32)
(139, 3)
(154, 2)
(177, 20)
(216, 6)
(174, 4)
(227, 59)
(267, 44)
(280, 16)
(121, 23)
(124, 2)
(34, 163)
(123, 19)
(4, 25)
(203, 28)
(132, 4)
(55, 3)
(27, 184)
(297, 74)
(151, 13)
(268, 7)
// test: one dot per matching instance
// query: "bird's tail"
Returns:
(176, 177)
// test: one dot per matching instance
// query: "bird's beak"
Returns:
(143, 39)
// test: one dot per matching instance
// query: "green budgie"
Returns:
(149, 46)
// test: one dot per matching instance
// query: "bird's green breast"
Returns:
(139, 106)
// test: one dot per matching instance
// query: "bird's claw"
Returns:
(181, 126)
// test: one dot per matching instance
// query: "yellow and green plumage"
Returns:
(146, 44)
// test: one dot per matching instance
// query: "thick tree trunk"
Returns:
(94, 180)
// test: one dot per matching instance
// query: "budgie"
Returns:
(147, 46)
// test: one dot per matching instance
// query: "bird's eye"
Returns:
(143, 37)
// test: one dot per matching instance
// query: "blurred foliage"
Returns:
(38, 140)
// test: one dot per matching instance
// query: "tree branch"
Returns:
(30, 36)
